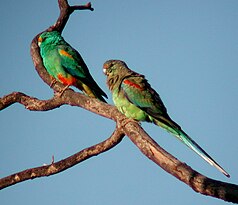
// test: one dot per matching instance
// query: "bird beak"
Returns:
(39, 41)
(104, 71)
(105, 67)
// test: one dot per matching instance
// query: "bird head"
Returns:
(112, 68)
(47, 38)
(116, 71)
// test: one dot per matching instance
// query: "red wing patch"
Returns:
(128, 82)
(65, 53)
(66, 81)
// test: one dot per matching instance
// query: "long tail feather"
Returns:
(90, 92)
(174, 129)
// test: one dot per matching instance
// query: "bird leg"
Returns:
(60, 93)
(53, 81)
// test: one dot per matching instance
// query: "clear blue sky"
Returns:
(188, 52)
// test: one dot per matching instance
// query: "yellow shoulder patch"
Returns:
(64, 53)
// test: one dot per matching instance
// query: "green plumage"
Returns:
(134, 97)
(66, 65)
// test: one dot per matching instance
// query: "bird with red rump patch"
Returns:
(66, 65)
(136, 99)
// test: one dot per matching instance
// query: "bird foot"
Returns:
(60, 93)
(128, 120)
(53, 81)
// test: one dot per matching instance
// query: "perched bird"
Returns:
(134, 97)
(66, 65)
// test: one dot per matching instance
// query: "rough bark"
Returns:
(124, 126)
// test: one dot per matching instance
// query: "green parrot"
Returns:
(66, 65)
(134, 97)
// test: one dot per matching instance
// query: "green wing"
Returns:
(74, 64)
(139, 92)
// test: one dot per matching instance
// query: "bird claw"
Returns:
(53, 81)
(129, 120)
(60, 93)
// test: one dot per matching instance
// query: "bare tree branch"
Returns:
(124, 126)
(198, 182)
(64, 164)
(30, 103)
